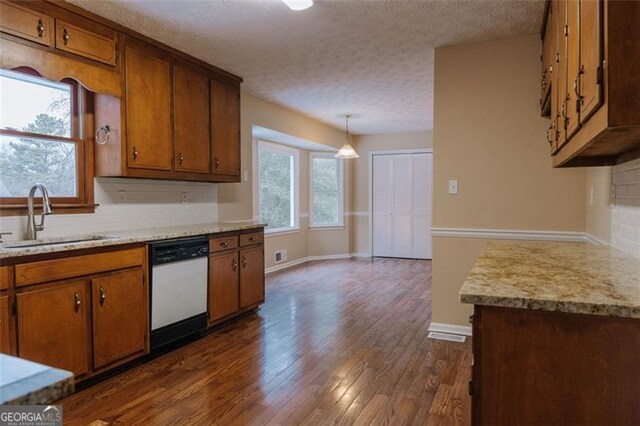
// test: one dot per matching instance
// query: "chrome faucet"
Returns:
(32, 228)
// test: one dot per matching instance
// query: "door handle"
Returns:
(244, 262)
(65, 36)
(76, 301)
(40, 28)
(234, 264)
(103, 296)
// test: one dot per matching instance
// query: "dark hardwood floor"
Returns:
(337, 342)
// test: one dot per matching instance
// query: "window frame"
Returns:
(340, 223)
(295, 153)
(81, 137)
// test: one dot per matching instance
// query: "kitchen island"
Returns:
(556, 334)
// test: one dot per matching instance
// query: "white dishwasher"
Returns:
(179, 276)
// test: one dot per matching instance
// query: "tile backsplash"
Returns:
(625, 213)
(126, 204)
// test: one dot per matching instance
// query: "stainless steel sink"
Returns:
(54, 241)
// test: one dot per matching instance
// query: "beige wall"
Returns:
(365, 144)
(488, 134)
(236, 201)
(598, 212)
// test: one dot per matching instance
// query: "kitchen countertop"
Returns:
(127, 237)
(565, 277)
(25, 382)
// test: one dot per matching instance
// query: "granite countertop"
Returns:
(126, 237)
(25, 382)
(565, 277)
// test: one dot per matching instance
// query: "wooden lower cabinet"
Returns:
(53, 326)
(119, 302)
(224, 289)
(5, 330)
(554, 368)
(251, 276)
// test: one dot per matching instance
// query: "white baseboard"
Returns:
(510, 234)
(463, 330)
(289, 264)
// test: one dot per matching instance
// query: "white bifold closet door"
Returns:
(402, 211)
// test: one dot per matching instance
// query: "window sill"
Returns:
(327, 228)
(277, 233)
(21, 209)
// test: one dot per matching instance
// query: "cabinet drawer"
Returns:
(77, 266)
(223, 243)
(26, 23)
(89, 44)
(253, 238)
(5, 277)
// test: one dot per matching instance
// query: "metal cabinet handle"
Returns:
(135, 153)
(65, 36)
(103, 296)
(76, 301)
(216, 162)
(576, 84)
(224, 244)
(244, 262)
(180, 158)
(102, 134)
(40, 28)
(252, 239)
(234, 264)
(548, 137)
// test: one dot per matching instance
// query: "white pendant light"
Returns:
(347, 150)
(298, 4)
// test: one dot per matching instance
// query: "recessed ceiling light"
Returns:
(298, 4)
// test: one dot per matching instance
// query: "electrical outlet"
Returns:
(453, 187)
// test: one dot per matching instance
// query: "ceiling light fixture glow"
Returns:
(347, 150)
(298, 4)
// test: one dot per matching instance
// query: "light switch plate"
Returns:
(453, 187)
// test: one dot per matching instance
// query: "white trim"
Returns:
(462, 330)
(595, 240)
(302, 260)
(331, 156)
(284, 231)
(326, 228)
(401, 151)
(359, 214)
(509, 234)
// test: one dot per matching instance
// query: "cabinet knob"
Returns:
(252, 239)
(103, 296)
(234, 264)
(244, 262)
(216, 162)
(40, 28)
(224, 244)
(76, 301)
(65, 36)
(135, 153)
(180, 158)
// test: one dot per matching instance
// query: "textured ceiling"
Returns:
(369, 58)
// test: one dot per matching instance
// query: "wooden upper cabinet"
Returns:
(119, 303)
(549, 49)
(224, 289)
(5, 329)
(148, 111)
(192, 145)
(53, 326)
(561, 10)
(98, 44)
(573, 66)
(225, 129)
(251, 276)
(591, 58)
(26, 23)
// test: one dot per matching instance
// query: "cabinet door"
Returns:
(251, 276)
(591, 57)
(148, 104)
(192, 148)
(119, 303)
(5, 330)
(548, 59)
(89, 44)
(223, 285)
(53, 326)
(561, 127)
(573, 67)
(26, 23)
(225, 129)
